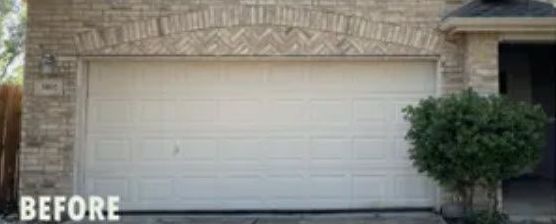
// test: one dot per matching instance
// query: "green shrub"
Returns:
(487, 217)
(465, 140)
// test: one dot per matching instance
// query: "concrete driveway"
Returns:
(352, 218)
(348, 218)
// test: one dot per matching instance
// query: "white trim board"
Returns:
(454, 25)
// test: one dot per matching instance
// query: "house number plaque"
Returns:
(49, 87)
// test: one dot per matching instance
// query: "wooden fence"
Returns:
(10, 126)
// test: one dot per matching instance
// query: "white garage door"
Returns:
(254, 135)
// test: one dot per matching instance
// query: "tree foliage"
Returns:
(465, 140)
(12, 36)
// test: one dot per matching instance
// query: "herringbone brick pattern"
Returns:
(237, 30)
(260, 41)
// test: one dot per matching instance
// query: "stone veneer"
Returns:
(481, 62)
(71, 29)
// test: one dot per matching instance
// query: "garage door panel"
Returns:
(412, 187)
(155, 149)
(156, 111)
(198, 149)
(331, 186)
(371, 110)
(243, 74)
(254, 135)
(393, 79)
(288, 203)
(368, 187)
(241, 187)
(112, 79)
(197, 111)
(198, 187)
(286, 186)
(280, 76)
(155, 189)
(285, 111)
(326, 111)
(109, 149)
(278, 149)
(329, 148)
(110, 112)
(370, 148)
(100, 185)
(241, 110)
(241, 149)
(202, 74)
(348, 166)
(402, 147)
(331, 75)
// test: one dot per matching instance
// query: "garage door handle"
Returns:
(176, 148)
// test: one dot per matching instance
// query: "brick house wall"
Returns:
(72, 29)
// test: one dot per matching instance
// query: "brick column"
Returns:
(481, 62)
(481, 74)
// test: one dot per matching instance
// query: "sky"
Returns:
(10, 21)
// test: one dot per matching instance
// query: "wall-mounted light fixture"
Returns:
(48, 64)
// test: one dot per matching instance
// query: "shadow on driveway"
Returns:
(352, 218)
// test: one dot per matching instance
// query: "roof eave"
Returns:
(455, 25)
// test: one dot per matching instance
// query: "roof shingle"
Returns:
(505, 8)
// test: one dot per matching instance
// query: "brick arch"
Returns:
(335, 31)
